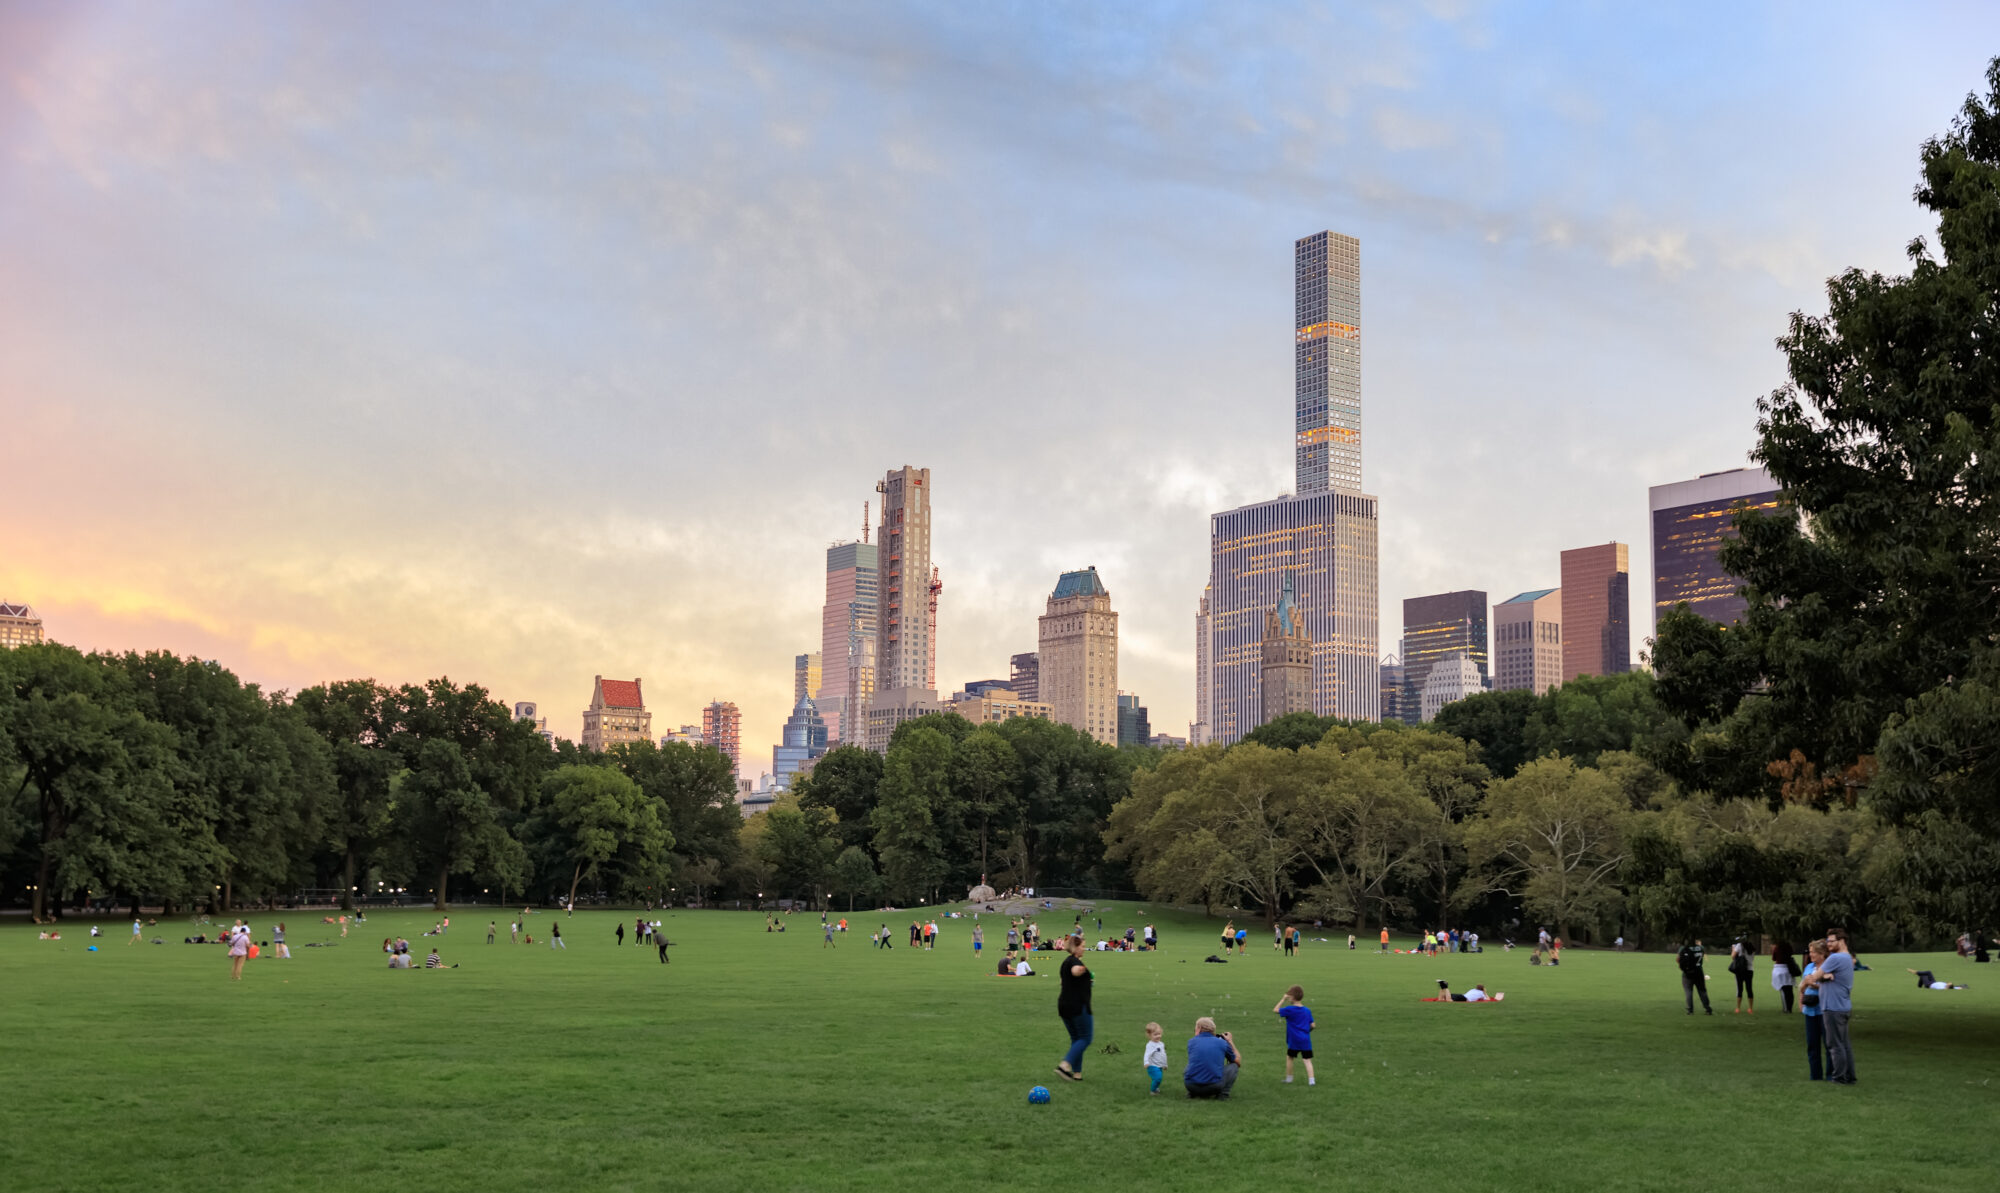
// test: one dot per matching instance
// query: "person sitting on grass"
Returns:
(1212, 1062)
(399, 961)
(434, 961)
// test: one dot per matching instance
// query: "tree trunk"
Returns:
(42, 888)
(444, 877)
(573, 880)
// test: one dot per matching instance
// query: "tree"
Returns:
(915, 810)
(1443, 770)
(350, 716)
(854, 874)
(1553, 835)
(1497, 722)
(469, 769)
(1359, 822)
(846, 781)
(1210, 824)
(695, 788)
(605, 821)
(985, 773)
(101, 778)
(1293, 731)
(1594, 713)
(799, 846)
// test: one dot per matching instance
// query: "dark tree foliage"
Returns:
(1497, 722)
(1870, 635)
(845, 781)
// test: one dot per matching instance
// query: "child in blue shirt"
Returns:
(1298, 1031)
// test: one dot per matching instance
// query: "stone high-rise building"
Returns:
(1448, 680)
(524, 710)
(19, 626)
(1528, 642)
(1436, 628)
(1325, 535)
(847, 639)
(1691, 522)
(903, 625)
(1286, 676)
(1079, 656)
(617, 713)
(722, 727)
(1597, 610)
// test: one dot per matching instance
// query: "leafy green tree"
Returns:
(606, 825)
(799, 845)
(854, 875)
(845, 781)
(101, 780)
(1293, 731)
(1595, 713)
(1068, 784)
(349, 716)
(1359, 822)
(469, 771)
(1497, 722)
(1445, 771)
(1158, 830)
(985, 777)
(1553, 835)
(912, 821)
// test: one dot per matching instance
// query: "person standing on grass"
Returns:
(619, 932)
(1152, 939)
(514, 932)
(1385, 939)
(136, 930)
(1298, 1031)
(1833, 981)
(978, 938)
(1784, 972)
(279, 949)
(1691, 958)
(827, 930)
(555, 937)
(239, 950)
(1073, 1005)
(1741, 970)
(1809, 1009)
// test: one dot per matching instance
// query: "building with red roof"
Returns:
(617, 713)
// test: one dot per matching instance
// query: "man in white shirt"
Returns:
(1476, 994)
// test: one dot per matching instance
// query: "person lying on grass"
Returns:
(1476, 994)
(1926, 980)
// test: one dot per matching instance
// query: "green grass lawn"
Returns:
(764, 1062)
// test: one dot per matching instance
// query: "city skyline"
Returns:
(364, 393)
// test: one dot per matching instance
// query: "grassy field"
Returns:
(765, 1062)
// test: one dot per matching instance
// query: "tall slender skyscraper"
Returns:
(847, 639)
(1597, 610)
(1327, 360)
(1198, 729)
(1325, 536)
(902, 627)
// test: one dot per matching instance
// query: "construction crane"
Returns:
(930, 672)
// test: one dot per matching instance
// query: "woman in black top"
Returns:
(1073, 1004)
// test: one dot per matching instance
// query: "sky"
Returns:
(527, 343)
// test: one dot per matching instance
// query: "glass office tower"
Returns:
(1327, 360)
(1691, 521)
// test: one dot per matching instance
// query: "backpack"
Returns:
(1690, 961)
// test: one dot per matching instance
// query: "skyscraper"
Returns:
(847, 637)
(1026, 669)
(1691, 521)
(902, 627)
(1135, 728)
(805, 675)
(19, 626)
(1286, 674)
(617, 713)
(1434, 629)
(804, 740)
(1597, 610)
(1325, 536)
(1392, 689)
(722, 728)
(1327, 362)
(1528, 642)
(1078, 659)
(1198, 728)
(1452, 678)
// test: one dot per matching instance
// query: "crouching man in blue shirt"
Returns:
(1212, 1061)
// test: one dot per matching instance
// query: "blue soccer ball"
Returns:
(1038, 1096)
